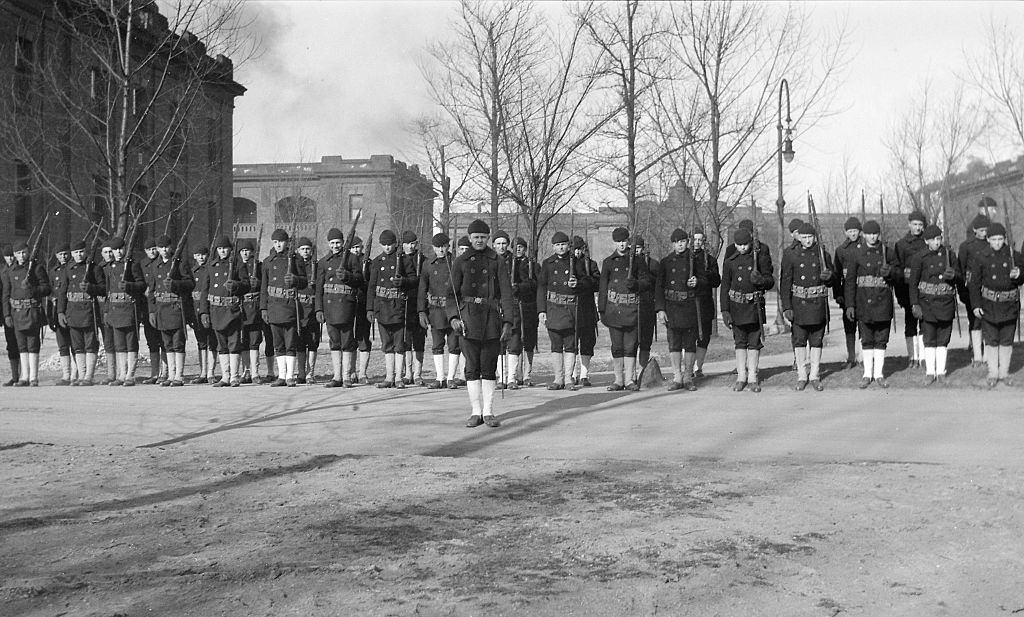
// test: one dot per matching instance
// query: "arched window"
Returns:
(245, 211)
(295, 209)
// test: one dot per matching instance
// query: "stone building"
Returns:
(314, 197)
(60, 114)
(1003, 182)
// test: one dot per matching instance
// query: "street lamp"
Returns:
(785, 152)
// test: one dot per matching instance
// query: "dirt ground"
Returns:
(834, 521)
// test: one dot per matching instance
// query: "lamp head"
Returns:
(787, 147)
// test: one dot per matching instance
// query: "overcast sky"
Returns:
(340, 78)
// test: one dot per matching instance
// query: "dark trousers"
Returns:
(28, 340)
(285, 339)
(84, 340)
(624, 342)
(341, 336)
(229, 340)
(682, 339)
(126, 339)
(481, 359)
(874, 334)
(998, 334)
(12, 343)
(446, 338)
(173, 340)
(63, 337)
(936, 333)
(392, 337)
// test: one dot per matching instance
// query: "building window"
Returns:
(355, 206)
(295, 210)
(245, 211)
(23, 198)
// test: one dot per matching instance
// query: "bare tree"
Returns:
(630, 37)
(113, 99)
(473, 76)
(997, 71)
(451, 163)
(727, 60)
(548, 123)
(930, 141)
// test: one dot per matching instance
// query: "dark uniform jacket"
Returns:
(844, 255)
(24, 295)
(554, 296)
(906, 247)
(308, 269)
(251, 272)
(866, 290)
(801, 289)
(618, 300)
(647, 308)
(928, 288)
(78, 306)
(764, 255)
(588, 306)
(965, 257)
(223, 305)
(412, 266)
(706, 288)
(277, 298)
(170, 286)
(339, 279)
(387, 293)
(481, 294)
(435, 287)
(524, 288)
(741, 298)
(672, 295)
(991, 287)
(57, 283)
(123, 285)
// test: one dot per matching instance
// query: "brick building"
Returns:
(1003, 182)
(319, 196)
(60, 124)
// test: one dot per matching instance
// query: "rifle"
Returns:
(366, 262)
(881, 216)
(213, 241)
(292, 254)
(756, 250)
(949, 264)
(693, 224)
(863, 208)
(1013, 261)
(349, 240)
(33, 245)
(233, 275)
(175, 268)
(259, 242)
(821, 250)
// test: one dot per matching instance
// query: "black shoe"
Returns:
(512, 386)
(436, 385)
(633, 386)
(585, 382)
(247, 379)
(400, 384)
(198, 381)
(386, 384)
(800, 385)
(689, 386)
(419, 381)
(864, 383)
(460, 382)
(698, 374)
(63, 382)
(616, 387)
(235, 383)
(129, 383)
(754, 387)
(556, 386)
(474, 421)
(453, 384)
(675, 385)
(301, 381)
(816, 384)
(291, 383)
(738, 386)
(222, 384)
(491, 421)
(882, 382)
(334, 383)
(278, 383)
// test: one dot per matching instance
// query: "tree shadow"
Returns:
(240, 479)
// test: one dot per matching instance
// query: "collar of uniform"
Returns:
(437, 259)
(485, 252)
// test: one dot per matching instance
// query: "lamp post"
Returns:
(784, 152)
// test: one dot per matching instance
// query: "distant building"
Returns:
(318, 196)
(40, 56)
(1003, 182)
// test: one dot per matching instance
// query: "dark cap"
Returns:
(932, 231)
(639, 241)
(746, 224)
(578, 243)
(478, 227)
(388, 237)
(440, 239)
(63, 248)
(980, 222)
(807, 230)
(794, 225)
(852, 223)
(115, 243)
(917, 215)
(202, 249)
(464, 241)
(986, 202)
(222, 242)
(698, 230)
(559, 238)
(163, 240)
(872, 227)
(501, 233)
(678, 234)
(304, 241)
(996, 229)
(742, 236)
(20, 246)
(7, 251)
(79, 245)
(245, 245)
(620, 234)
(408, 237)
(335, 234)
(279, 235)
(357, 241)
(520, 241)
